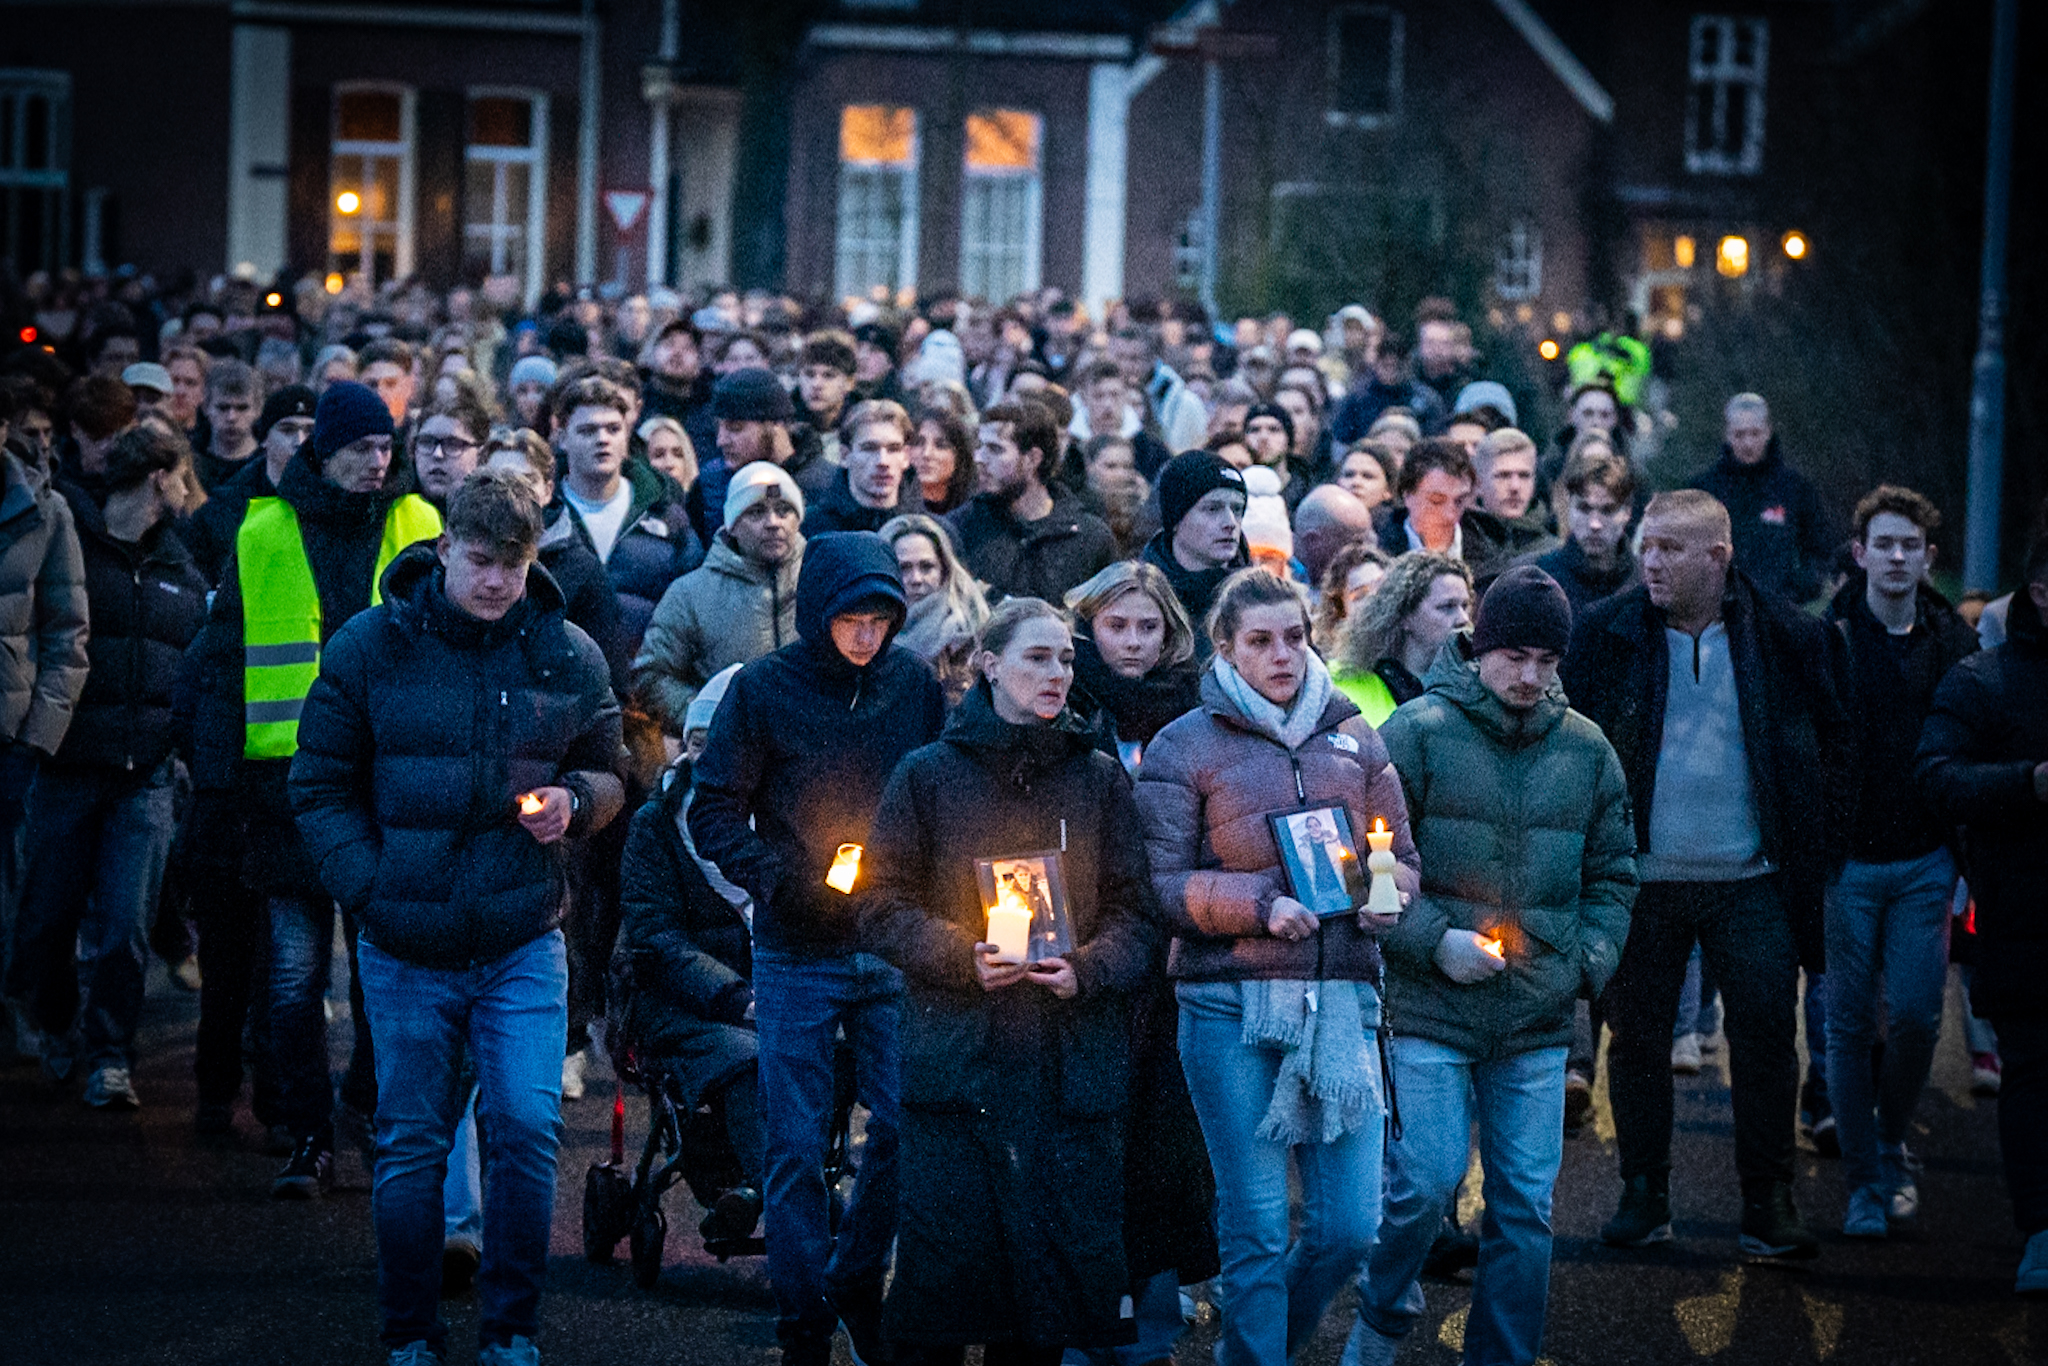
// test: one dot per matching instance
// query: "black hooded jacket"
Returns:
(802, 745)
(1130, 710)
(1781, 534)
(1041, 559)
(424, 727)
(1196, 588)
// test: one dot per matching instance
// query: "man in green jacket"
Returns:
(1521, 818)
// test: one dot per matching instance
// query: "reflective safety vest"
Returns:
(1369, 693)
(281, 613)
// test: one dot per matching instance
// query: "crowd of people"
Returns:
(1162, 757)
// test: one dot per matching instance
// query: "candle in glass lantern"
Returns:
(1384, 897)
(1009, 927)
(845, 868)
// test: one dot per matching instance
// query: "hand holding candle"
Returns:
(545, 813)
(845, 869)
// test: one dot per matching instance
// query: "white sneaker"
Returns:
(573, 1068)
(1685, 1054)
(518, 1352)
(109, 1088)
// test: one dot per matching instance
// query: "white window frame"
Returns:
(533, 156)
(404, 151)
(907, 245)
(17, 86)
(984, 254)
(1728, 91)
(1397, 60)
(1518, 264)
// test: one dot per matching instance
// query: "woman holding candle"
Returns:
(1015, 1075)
(1277, 1008)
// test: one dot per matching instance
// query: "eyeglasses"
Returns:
(443, 445)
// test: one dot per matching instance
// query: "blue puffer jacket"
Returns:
(422, 730)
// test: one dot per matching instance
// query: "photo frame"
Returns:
(1015, 887)
(1319, 859)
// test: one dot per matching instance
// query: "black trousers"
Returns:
(234, 963)
(2023, 1118)
(1746, 940)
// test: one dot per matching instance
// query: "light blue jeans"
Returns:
(1275, 1294)
(1519, 1102)
(1887, 926)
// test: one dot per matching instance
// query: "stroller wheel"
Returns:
(650, 1230)
(607, 1211)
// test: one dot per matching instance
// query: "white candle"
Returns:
(1009, 929)
(845, 868)
(1384, 897)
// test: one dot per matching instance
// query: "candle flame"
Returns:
(1493, 946)
(1379, 825)
(531, 804)
(845, 868)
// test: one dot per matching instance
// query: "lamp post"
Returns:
(1987, 389)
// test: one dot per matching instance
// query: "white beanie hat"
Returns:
(698, 715)
(1265, 513)
(751, 484)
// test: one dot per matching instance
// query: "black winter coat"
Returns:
(1584, 586)
(419, 735)
(587, 595)
(836, 510)
(1010, 1224)
(684, 961)
(148, 603)
(1782, 538)
(1987, 733)
(210, 532)
(1887, 689)
(1794, 730)
(1041, 559)
(655, 548)
(1196, 588)
(343, 533)
(1483, 541)
(1130, 710)
(801, 747)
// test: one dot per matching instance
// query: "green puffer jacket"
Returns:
(1523, 826)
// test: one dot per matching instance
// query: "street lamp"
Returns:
(1796, 246)
(1731, 257)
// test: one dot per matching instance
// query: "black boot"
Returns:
(1771, 1227)
(1645, 1213)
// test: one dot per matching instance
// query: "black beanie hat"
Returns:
(1187, 478)
(294, 400)
(751, 395)
(1524, 610)
(348, 412)
(1274, 411)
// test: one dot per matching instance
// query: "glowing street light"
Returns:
(1731, 258)
(1547, 349)
(1796, 246)
(348, 201)
(334, 282)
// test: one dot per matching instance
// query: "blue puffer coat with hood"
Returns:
(803, 745)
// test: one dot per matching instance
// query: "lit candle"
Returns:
(531, 804)
(845, 868)
(1009, 927)
(1384, 897)
(1493, 946)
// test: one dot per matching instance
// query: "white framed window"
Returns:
(1001, 204)
(504, 198)
(370, 182)
(1518, 263)
(35, 167)
(1728, 65)
(1365, 66)
(876, 234)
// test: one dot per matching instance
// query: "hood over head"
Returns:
(842, 571)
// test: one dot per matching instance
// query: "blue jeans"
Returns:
(1157, 1310)
(97, 843)
(512, 1014)
(462, 1194)
(801, 1004)
(1274, 1295)
(301, 967)
(1887, 926)
(1519, 1102)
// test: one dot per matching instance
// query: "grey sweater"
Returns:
(1703, 822)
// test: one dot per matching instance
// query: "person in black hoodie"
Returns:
(1782, 538)
(1201, 539)
(1016, 1074)
(457, 734)
(798, 754)
(100, 819)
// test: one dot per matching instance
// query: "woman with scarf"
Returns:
(1278, 1009)
(1015, 1074)
(947, 608)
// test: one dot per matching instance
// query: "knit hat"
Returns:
(1186, 479)
(1524, 610)
(697, 716)
(751, 484)
(751, 395)
(294, 400)
(532, 370)
(348, 412)
(1277, 413)
(1486, 393)
(1265, 514)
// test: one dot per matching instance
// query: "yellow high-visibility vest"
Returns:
(1368, 692)
(281, 613)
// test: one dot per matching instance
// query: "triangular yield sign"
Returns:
(625, 207)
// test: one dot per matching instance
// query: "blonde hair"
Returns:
(1094, 597)
(1695, 508)
(1010, 616)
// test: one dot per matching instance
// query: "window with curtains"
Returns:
(876, 233)
(1001, 204)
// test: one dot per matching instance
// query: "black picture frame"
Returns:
(1342, 890)
(1045, 893)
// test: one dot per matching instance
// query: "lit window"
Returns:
(35, 163)
(1724, 103)
(1365, 51)
(876, 245)
(370, 204)
(1001, 205)
(1518, 265)
(505, 186)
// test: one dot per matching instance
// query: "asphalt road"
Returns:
(126, 1239)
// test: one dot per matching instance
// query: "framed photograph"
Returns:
(1024, 897)
(1320, 859)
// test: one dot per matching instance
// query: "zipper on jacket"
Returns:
(135, 638)
(1300, 792)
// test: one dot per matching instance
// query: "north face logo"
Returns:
(1774, 516)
